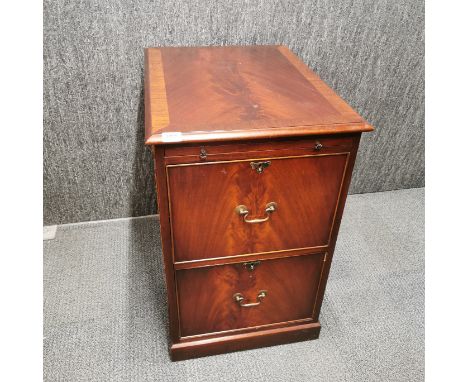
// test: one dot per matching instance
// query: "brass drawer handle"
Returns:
(243, 211)
(239, 298)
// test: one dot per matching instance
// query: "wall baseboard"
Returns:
(154, 216)
(48, 232)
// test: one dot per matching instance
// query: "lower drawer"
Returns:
(243, 295)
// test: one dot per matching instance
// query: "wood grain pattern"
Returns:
(216, 93)
(338, 103)
(205, 224)
(206, 302)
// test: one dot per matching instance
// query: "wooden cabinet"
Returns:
(253, 159)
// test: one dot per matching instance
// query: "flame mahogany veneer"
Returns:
(253, 159)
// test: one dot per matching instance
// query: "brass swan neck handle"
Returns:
(239, 299)
(244, 212)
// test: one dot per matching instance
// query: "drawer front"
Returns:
(228, 297)
(234, 207)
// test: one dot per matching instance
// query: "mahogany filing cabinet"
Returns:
(253, 158)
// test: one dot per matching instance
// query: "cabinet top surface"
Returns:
(203, 94)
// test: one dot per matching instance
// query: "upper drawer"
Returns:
(240, 207)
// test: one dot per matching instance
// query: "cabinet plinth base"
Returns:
(260, 338)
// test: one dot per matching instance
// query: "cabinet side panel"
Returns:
(160, 176)
(336, 225)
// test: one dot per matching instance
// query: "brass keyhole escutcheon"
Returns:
(251, 265)
(260, 166)
(203, 153)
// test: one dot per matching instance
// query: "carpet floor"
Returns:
(105, 308)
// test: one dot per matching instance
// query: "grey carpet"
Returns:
(95, 164)
(105, 309)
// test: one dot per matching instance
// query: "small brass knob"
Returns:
(203, 153)
(262, 294)
(318, 146)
